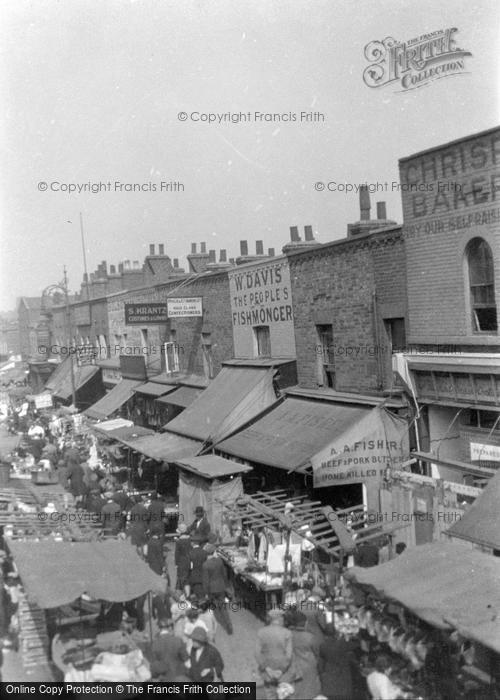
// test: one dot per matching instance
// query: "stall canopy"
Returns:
(81, 374)
(57, 573)
(181, 396)
(163, 447)
(113, 400)
(127, 432)
(434, 581)
(481, 522)
(212, 467)
(109, 425)
(290, 434)
(154, 389)
(234, 397)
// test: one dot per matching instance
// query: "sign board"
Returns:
(180, 307)
(145, 314)
(43, 400)
(111, 376)
(364, 452)
(484, 453)
(133, 367)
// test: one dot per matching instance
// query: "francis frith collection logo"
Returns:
(414, 63)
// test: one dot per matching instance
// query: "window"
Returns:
(482, 286)
(325, 356)
(475, 418)
(396, 332)
(144, 340)
(263, 341)
(171, 357)
(206, 345)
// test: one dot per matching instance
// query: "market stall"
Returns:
(418, 610)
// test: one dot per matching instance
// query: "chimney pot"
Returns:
(120, 268)
(294, 233)
(193, 248)
(161, 249)
(381, 211)
(85, 277)
(223, 255)
(176, 262)
(270, 252)
(259, 247)
(112, 270)
(212, 256)
(308, 233)
(364, 203)
(203, 247)
(243, 248)
(151, 248)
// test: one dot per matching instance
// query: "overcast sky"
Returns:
(92, 92)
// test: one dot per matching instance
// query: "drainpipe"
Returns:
(380, 374)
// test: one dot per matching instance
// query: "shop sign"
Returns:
(483, 453)
(43, 400)
(180, 307)
(364, 451)
(145, 314)
(111, 376)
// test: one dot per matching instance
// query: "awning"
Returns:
(130, 432)
(233, 398)
(292, 432)
(154, 389)
(113, 400)
(481, 522)
(181, 396)
(108, 425)
(164, 447)
(81, 375)
(56, 379)
(57, 573)
(212, 467)
(434, 582)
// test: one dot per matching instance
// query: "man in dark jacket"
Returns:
(156, 516)
(168, 653)
(154, 556)
(199, 529)
(206, 663)
(139, 523)
(215, 585)
(198, 557)
(111, 516)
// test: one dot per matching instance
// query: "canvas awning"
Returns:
(109, 425)
(128, 432)
(113, 400)
(212, 466)
(436, 583)
(57, 573)
(81, 375)
(154, 389)
(58, 376)
(292, 432)
(481, 522)
(164, 447)
(181, 396)
(233, 398)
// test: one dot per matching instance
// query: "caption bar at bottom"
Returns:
(125, 689)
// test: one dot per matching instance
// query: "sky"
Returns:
(92, 92)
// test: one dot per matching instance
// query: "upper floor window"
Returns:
(263, 341)
(482, 286)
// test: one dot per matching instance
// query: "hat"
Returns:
(209, 548)
(182, 528)
(199, 634)
(199, 510)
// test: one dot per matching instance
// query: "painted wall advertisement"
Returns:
(364, 451)
(182, 307)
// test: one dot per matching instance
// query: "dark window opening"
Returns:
(326, 356)
(263, 339)
(482, 286)
(396, 332)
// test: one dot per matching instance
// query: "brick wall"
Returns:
(335, 284)
(458, 198)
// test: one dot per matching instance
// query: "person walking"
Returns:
(197, 557)
(335, 666)
(215, 585)
(182, 559)
(168, 653)
(305, 655)
(111, 516)
(205, 661)
(138, 525)
(154, 556)
(273, 653)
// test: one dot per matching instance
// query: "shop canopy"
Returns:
(164, 447)
(212, 467)
(154, 389)
(113, 400)
(181, 396)
(57, 573)
(82, 375)
(127, 432)
(481, 522)
(448, 585)
(291, 433)
(233, 398)
(109, 425)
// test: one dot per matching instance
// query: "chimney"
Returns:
(120, 268)
(308, 233)
(193, 248)
(112, 270)
(231, 260)
(212, 256)
(294, 233)
(136, 264)
(364, 203)
(126, 264)
(270, 252)
(243, 248)
(176, 262)
(381, 211)
(259, 247)
(223, 256)
(151, 248)
(161, 249)
(85, 277)
(203, 248)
